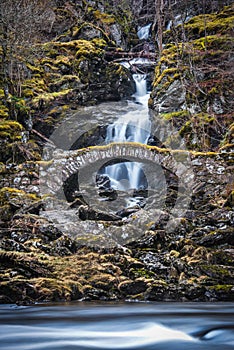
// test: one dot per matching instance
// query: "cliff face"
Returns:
(193, 84)
(66, 65)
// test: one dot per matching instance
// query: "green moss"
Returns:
(211, 23)
(168, 73)
(10, 129)
(28, 93)
(48, 97)
(34, 69)
(34, 85)
(90, 48)
(104, 17)
(8, 193)
(142, 273)
(225, 288)
(217, 271)
(172, 115)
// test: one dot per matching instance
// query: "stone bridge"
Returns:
(89, 160)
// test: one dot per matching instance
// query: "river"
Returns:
(144, 326)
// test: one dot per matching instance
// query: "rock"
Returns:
(103, 181)
(87, 213)
(77, 203)
(140, 192)
(110, 194)
(123, 213)
(51, 232)
(217, 238)
(132, 287)
(157, 292)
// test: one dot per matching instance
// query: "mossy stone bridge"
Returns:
(65, 163)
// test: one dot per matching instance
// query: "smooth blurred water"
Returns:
(134, 126)
(101, 326)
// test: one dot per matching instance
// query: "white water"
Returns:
(143, 32)
(133, 126)
(123, 326)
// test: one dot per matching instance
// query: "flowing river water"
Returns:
(128, 326)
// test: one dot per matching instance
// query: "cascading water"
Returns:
(133, 126)
(143, 32)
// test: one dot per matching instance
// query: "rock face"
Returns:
(193, 85)
(192, 260)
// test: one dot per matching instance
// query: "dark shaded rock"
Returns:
(103, 181)
(218, 237)
(140, 192)
(123, 213)
(12, 245)
(50, 231)
(71, 187)
(109, 193)
(87, 213)
(157, 292)
(150, 239)
(220, 292)
(18, 292)
(154, 141)
(77, 203)
(95, 294)
(92, 137)
(132, 287)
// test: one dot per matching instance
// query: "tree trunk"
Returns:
(159, 20)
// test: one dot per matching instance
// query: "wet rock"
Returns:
(93, 137)
(87, 213)
(132, 287)
(157, 292)
(218, 237)
(140, 192)
(123, 213)
(50, 231)
(108, 193)
(77, 203)
(103, 181)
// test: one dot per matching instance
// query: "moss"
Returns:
(34, 69)
(64, 81)
(217, 271)
(54, 289)
(8, 193)
(34, 85)
(47, 97)
(225, 288)
(142, 273)
(10, 129)
(28, 93)
(168, 73)
(104, 17)
(89, 48)
(211, 23)
(172, 115)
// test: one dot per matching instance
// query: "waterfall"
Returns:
(143, 32)
(133, 126)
